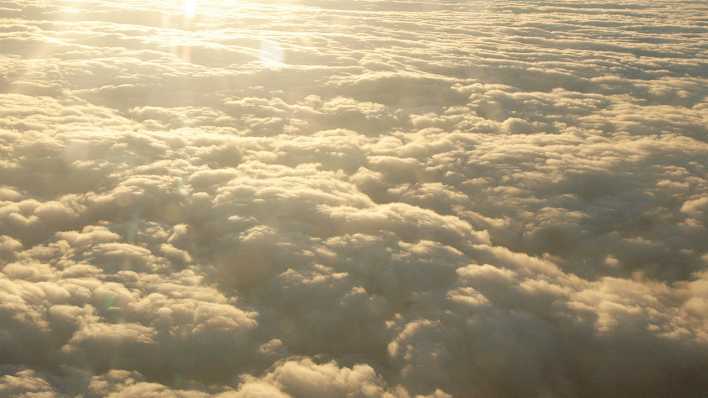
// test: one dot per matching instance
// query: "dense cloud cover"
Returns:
(357, 198)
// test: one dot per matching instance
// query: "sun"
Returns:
(189, 8)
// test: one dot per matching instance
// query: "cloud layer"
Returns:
(353, 198)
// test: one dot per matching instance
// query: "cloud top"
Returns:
(353, 198)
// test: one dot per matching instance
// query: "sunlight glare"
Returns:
(190, 8)
(271, 54)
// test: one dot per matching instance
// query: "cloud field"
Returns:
(356, 198)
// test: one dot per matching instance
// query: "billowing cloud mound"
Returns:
(317, 198)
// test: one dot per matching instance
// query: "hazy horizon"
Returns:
(355, 198)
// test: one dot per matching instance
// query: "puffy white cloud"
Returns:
(355, 198)
(305, 378)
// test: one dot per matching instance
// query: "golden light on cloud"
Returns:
(345, 198)
(71, 10)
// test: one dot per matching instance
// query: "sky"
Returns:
(353, 198)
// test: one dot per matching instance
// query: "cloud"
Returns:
(355, 198)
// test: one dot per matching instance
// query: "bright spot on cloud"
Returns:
(189, 8)
(271, 54)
